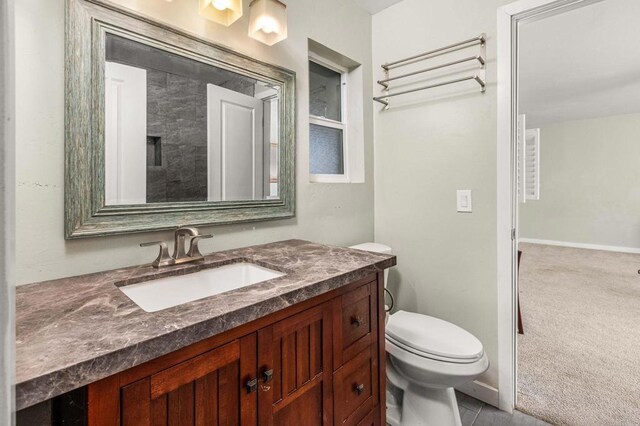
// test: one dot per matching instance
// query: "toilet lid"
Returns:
(433, 336)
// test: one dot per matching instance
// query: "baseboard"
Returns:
(633, 250)
(481, 391)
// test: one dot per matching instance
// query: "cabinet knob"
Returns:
(252, 385)
(357, 320)
(267, 376)
(359, 388)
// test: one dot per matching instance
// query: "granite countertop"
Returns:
(74, 331)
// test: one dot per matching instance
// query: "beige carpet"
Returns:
(579, 359)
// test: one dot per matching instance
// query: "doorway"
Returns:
(547, 248)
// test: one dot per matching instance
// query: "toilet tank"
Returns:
(377, 248)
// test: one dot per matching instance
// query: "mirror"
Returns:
(180, 130)
(164, 129)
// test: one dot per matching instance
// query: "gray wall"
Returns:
(428, 145)
(7, 220)
(589, 183)
(339, 214)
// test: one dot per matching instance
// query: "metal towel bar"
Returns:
(383, 99)
(441, 51)
(479, 77)
(478, 58)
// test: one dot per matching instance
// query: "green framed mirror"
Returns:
(165, 129)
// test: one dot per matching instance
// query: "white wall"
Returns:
(7, 202)
(589, 183)
(427, 146)
(336, 214)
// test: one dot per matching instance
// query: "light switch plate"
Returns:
(464, 200)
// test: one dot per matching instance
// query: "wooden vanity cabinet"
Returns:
(316, 363)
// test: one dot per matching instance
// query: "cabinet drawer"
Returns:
(358, 330)
(356, 388)
(370, 419)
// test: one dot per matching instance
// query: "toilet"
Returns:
(426, 359)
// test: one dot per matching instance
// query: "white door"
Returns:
(125, 134)
(236, 145)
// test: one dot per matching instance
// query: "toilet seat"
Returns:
(433, 338)
(438, 370)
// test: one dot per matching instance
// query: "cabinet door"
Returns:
(209, 389)
(295, 370)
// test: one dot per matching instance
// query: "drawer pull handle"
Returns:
(357, 320)
(252, 385)
(359, 388)
(267, 376)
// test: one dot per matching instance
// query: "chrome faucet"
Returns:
(181, 254)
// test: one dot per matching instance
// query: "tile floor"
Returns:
(477, 413)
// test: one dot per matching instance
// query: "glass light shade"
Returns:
(268, 21)
(224, 12)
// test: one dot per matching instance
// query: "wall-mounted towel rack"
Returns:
(479, 77)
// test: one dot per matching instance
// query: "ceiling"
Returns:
(581, 64)
(375, 6)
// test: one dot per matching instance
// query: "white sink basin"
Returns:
(164, 293)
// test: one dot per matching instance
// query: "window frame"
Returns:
(333, 124)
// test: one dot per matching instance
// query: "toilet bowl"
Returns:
(426, 358)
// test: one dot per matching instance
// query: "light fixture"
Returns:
(224, 12)
(268, 21)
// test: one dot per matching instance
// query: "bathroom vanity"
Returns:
(286, 333)
(306, 347)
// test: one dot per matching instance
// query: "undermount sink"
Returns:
(163, 293)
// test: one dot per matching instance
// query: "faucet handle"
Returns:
(163, 256)
(193, 249)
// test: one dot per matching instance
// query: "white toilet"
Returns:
(427, 358)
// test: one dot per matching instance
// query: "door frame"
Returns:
(508, 18)
(7, 212)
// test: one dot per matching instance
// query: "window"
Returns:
(528, 164)
(327, 121)
(532, 164)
